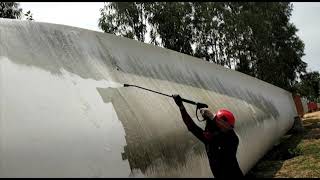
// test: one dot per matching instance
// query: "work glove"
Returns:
(177, 100)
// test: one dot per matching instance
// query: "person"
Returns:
(221, 142)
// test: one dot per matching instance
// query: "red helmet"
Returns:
(225, 115)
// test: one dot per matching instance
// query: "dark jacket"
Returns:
(221, 147)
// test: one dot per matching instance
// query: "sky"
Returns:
(86, 15)
(78, 14)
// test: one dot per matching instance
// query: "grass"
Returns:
(297, 155)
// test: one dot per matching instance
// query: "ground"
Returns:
(297, 155)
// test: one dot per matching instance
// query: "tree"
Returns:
(127, 19)
(309, 86)
(171, 21)
(253, 38)
(276, 47)
(10, 10)
(29, 15)
(210, 31)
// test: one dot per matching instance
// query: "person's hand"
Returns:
(206, 114)
(177, 100)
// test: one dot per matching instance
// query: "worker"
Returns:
(221, 142)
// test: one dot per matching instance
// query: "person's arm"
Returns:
(233, 141)
(192, 127)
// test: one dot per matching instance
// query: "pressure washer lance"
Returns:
(198, 105)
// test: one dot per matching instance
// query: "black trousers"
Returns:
(227, 168)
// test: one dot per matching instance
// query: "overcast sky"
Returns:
(305, 16)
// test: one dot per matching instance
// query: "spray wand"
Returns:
(198, 105)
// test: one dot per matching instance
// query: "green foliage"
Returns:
(10, 10)
(250, 37)
(309, 86)
(173, 24)
(272, 47)
(312, 149)
(28, 16)
(127, 19)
